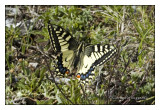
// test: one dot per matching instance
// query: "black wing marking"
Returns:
(104, 53)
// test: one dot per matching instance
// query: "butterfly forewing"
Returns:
(61, 40)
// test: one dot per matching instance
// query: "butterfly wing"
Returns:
(94, 55)
(63, 43)
(61, 39)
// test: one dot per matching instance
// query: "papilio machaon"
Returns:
(77, 57)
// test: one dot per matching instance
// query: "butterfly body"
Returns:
(77, 57)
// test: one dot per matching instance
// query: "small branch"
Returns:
(83, 91)
(55, 81)
(134, 91)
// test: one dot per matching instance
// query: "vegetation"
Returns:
(127, 78)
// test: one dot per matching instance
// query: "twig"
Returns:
(134, 91)
(55, 81)
(111, 71)
(83, 91)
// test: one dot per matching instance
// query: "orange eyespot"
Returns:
(67, 72)
(78, 76)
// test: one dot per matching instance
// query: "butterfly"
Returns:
(76, 57)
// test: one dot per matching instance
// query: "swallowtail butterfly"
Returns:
(76, 57)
